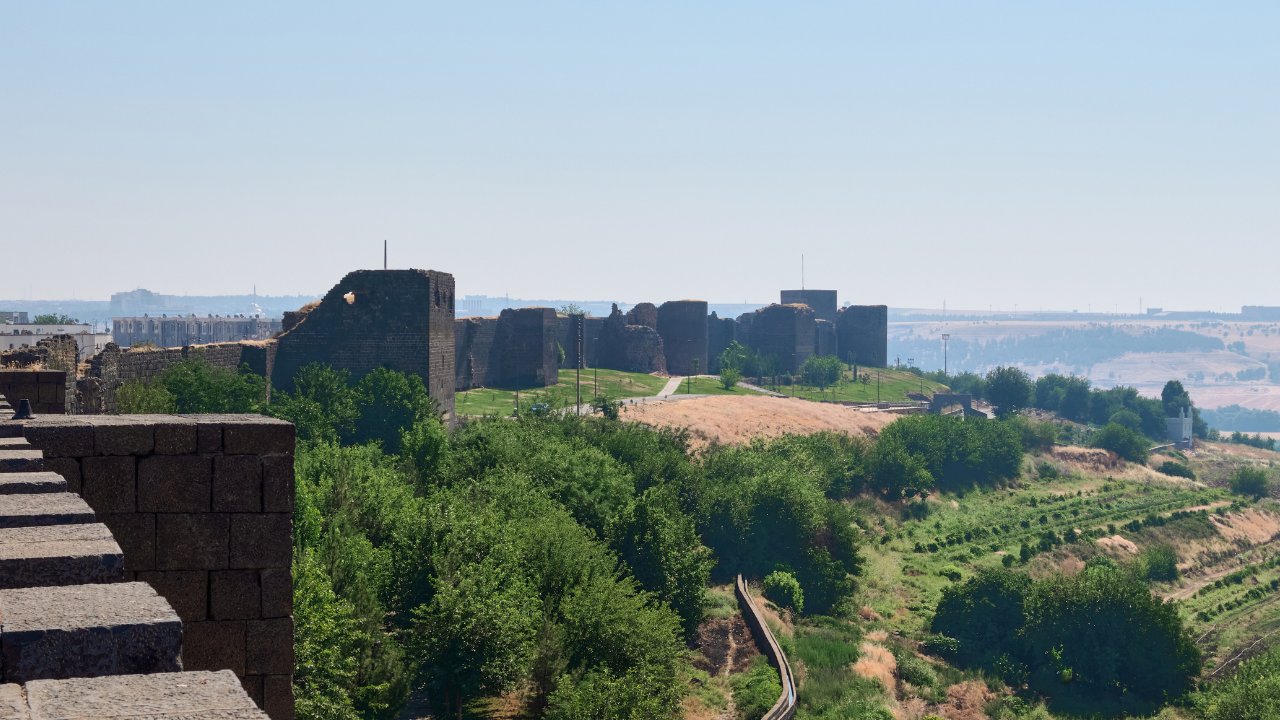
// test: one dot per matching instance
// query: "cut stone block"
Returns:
(21, 460)
(13, 706)
(27, 483)
(81, 631)
(162, 696)
(14, 443)
(43, 509)
(59, 555)
(9, 428)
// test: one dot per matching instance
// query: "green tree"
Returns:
(729, 377)
(477, 633)
(822, 371)
(660, 544)
(1128, 444)
(323, 406)
(390, 402)
(55, 319)
(784, 590)
(1101, 639)
(1009, 389)
(1252, 482)
(984, 614)
(139, 398)
(326, 643)
(195, 386)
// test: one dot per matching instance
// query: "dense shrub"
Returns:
(1252, 482)
(1128, 444)
(1250, 692)
(1176, 469)
(784, 590)
(1159, 562)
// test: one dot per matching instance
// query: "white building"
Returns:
(14, 336)
(1180, 430)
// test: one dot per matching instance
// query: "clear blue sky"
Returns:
(1044, 154)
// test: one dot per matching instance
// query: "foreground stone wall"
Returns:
(46, 389)
(202, 507)
(397, 319)
(863, 332)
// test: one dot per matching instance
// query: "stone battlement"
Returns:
(145, 566)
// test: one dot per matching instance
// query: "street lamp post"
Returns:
(945, 338)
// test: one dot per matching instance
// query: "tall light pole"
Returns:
(945, 338)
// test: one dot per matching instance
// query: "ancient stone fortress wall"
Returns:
(518, 349)
(823, 302)
(784, 332)
(682, 324)
(396, 319)
(863, 332)
(630, 342)
(720, 333)
(46, 389)
(144, 567)
(825, 341)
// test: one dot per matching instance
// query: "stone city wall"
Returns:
(823, 302)
(682, 324)
(46, 389)
(784, 332)
(397, 319)
(202, 508)
(863, 333)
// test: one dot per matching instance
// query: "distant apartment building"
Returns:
(14, 336)
(182, 330)
(19, 318)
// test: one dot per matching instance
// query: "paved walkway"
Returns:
(671, 387)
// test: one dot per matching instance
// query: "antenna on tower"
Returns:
(801, 271)
(384, 254)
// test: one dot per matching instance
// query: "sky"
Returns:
(1055, 155)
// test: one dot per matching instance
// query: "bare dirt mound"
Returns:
(733, 420)
(724, 646)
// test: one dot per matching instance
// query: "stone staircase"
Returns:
(76, 639)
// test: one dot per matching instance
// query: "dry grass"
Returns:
(731, 420)
(877, 663)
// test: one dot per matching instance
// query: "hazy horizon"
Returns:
(990, 154)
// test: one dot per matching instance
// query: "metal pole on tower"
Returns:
(384, 254)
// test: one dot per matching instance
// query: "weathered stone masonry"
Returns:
(396, 319)
(81, 632)
(202, 508)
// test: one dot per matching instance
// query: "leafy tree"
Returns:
(1128, 444)
(55, 319)
(1175, 398)
(1128, 419)
(660, 544)
(1100, 638)
(323, 406)
(477, 632)
(1252, 482)
(822, 371)
(783, 589)
(1159, 562)
(139, 398)
(1009, 389)
(729, 377)
(389, 402)
(736, 356)
(1176, 469)
(984, 614)
(326, 642)
(195, 386)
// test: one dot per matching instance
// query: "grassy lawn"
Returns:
(711, 386)
(894, 386)
(612, 383)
